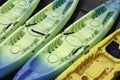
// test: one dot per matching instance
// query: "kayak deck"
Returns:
(32, 34)
(75, 41)
(36, 32)
(100, 63)
(13, 14)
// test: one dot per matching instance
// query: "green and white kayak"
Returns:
(74, 42)
(37, 31)
(13, 14)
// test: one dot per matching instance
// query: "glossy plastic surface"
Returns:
(65, 48)
(101, 63)
(13, 14)
(36, 32)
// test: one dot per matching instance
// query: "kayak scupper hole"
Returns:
(12, 29)
(4, 38)
(33, 51)
(84, 78)
(30, 1)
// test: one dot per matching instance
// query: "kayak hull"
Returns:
(70, 45)
(91, 66)
(32, 36)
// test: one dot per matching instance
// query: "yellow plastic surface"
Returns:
(97, 64)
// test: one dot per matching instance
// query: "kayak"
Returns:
(13, 14)
(75, 41)
(37, 31)
(101, 63)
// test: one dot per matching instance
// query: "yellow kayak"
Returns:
(101, 63)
